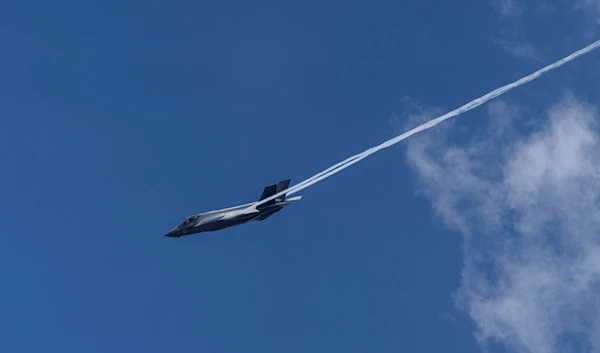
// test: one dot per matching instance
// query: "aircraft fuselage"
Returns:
(232, 216)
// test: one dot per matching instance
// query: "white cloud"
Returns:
(510, 8)
(592, 7)
(512, 38)
(521, 49)
(528, 209)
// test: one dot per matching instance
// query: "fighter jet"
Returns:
(232, 216)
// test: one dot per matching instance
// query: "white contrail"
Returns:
(465, 108)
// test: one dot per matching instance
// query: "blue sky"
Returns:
(119, 119)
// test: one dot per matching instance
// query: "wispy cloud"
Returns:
(528, 209)
(521, 49)
(509, 8)
(512, 37)
(591, 7)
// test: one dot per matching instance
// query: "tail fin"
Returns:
(269, 190)
(273, 189)
(280, 187)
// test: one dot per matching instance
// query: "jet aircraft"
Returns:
(232, 216)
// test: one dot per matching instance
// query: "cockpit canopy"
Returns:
(186, 222)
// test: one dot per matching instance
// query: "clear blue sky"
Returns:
(118, 119)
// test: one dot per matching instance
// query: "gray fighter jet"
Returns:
(232, 216)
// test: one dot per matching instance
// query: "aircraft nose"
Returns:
(171, 233)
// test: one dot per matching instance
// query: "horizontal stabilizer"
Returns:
(295, 198)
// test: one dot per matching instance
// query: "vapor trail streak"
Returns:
(465, 108)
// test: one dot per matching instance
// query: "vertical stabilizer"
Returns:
(284, 184)
(269, 191)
